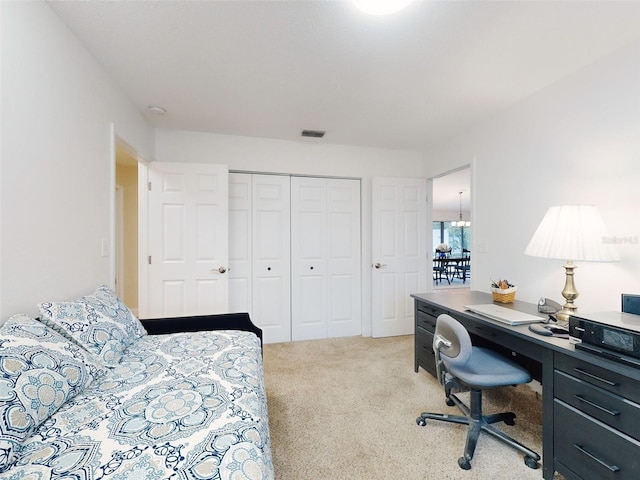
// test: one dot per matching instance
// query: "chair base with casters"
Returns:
(479, 423)
(463, 367)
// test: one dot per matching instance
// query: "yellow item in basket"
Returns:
(504, 296)
(503, 291)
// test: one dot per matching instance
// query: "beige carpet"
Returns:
(346, 409)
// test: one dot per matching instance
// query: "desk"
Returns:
(590, 405)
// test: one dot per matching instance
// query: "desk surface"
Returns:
(456, 299)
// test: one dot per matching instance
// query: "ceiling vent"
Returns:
(313, 133)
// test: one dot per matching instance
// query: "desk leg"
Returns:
(547, 415)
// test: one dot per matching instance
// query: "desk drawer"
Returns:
(429, 309)
(425, 357)
(427, 322)
(605, 406)
(591, 449)
(604, 378)
(486, 335)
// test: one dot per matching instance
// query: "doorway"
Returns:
(452, 229)
(126, 225)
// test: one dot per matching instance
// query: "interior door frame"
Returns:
(143, 240)
(115, 143)
(471, 168)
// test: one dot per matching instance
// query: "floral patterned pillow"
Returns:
(107, 302)
(39, 371)
(82, 323)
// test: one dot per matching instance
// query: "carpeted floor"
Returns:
(345, 409)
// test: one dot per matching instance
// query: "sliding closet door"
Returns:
(259, 244)
(240, 247)
(309, 293)
(325, 258)
(345, 280)
(271, 266)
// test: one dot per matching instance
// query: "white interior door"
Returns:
(344, 259)
(271, 263)
(240, 243)
(188, 239)
(399, 252)
(309, 292)
(325, 258)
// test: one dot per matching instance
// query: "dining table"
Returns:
(448, 265)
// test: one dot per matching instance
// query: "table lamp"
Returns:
(571, 232)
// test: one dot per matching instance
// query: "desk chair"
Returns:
(462, 366)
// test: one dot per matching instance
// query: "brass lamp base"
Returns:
(569, 293)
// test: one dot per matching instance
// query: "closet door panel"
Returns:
(325, 252)
(240, 256)
(308, 258)
(295, 255)
(271, 260)
(344, 278)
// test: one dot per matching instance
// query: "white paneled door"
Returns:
(240, 256)
(325, 258)
(188, 239)
(260, 272)
(271, 256)
(399, 252)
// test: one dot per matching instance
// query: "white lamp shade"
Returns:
(572, 232)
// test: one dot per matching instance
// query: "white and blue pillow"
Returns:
(90, 329)
(107, 302)
(39, 371)
(100, 323)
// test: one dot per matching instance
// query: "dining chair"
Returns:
(462, 269)
(440, 269)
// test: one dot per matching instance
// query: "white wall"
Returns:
(305, 158)
(58, 106)
(577, 141)
(450, 215)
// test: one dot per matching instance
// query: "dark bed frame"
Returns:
(199, 323)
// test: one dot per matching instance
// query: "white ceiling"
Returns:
(406, 81)
(446, 193)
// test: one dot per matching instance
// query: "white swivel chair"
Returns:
(460, 365)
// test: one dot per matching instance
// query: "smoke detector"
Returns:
(156, 110)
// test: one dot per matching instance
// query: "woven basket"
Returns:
(506, 295)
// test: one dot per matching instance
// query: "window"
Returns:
(458, 238)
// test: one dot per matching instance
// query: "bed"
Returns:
(184, 400)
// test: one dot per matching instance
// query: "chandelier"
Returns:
(460, 222)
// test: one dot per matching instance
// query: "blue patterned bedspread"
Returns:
(179, 406)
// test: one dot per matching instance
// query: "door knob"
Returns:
(219, 269)
(380, 265)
